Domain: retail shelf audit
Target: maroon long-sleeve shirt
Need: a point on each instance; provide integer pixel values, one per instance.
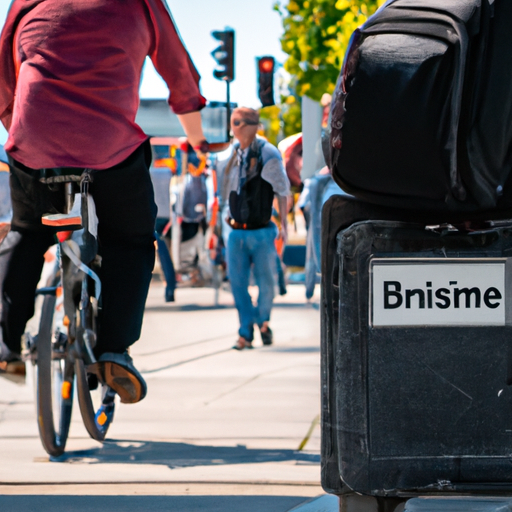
(70, 73)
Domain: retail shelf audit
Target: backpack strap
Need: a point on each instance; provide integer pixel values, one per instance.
(225, 177)
(255, 151)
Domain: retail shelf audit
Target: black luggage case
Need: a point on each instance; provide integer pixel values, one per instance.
(409, 410)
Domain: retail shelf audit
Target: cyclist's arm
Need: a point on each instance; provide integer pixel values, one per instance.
(191, 123)
(172, 61)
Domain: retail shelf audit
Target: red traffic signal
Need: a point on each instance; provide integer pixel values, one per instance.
(266, 67)
(266, 64)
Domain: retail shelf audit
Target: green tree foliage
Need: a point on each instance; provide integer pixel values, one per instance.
(292, 116)
(269, 117)
(316, 35)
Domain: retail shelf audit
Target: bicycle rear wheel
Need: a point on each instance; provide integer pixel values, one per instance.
(98, 414)
(54, 381)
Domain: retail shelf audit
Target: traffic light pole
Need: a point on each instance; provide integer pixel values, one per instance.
(228, 111)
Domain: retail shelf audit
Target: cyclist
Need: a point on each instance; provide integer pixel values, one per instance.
(69, 79)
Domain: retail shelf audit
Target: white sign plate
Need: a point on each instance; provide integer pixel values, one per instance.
(441, 292)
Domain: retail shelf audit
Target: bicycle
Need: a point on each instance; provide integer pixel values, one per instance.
(62, 350)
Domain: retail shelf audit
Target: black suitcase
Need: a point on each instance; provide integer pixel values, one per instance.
(407, 409)
(422, 112)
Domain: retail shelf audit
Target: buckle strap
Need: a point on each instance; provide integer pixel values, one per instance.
(240, 225)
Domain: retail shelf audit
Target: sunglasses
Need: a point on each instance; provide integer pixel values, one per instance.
(238, 122)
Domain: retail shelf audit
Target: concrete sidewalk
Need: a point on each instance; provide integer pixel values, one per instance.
(219, 429)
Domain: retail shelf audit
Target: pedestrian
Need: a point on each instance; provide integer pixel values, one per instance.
(191, 209)
(161, 179)
(251, 180)
(69, 80)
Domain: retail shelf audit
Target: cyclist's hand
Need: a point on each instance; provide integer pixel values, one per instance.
(217, 147)
(206, 147)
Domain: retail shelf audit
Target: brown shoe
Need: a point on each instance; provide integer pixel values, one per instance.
(10, 362)
(13, 368)
(242, 343)
(117, 372)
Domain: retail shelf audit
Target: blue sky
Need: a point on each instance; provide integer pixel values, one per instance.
(257, 29)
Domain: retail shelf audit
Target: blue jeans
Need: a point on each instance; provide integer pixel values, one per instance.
(254, 248)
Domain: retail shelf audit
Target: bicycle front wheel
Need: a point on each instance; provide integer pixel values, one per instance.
(55, 375)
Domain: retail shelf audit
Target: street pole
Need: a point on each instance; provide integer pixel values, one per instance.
(228, 112)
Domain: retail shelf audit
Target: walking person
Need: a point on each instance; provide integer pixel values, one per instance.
(69, 80)
(161, 179)
(252, 180)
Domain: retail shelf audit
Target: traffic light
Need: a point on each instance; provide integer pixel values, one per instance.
(266, 80)
(225, 55)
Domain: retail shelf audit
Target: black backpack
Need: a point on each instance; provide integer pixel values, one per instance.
(252, 204)
(422, 113)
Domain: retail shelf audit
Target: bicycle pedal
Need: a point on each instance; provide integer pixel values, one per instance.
(104, 417)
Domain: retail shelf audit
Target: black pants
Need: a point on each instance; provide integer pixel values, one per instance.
(164, 255)
(126, 211)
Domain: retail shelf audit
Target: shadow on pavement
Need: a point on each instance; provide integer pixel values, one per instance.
(213, 307)
(149, 503)
(297, 350)
(187, 308)
(182, 455)
(292, 305)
